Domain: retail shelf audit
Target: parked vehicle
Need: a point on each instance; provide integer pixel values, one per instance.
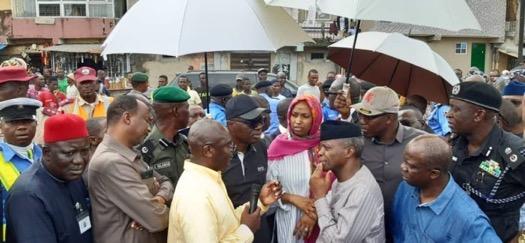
(228, 77)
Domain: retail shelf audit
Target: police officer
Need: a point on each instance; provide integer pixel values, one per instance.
(17, 151)
(165, 148)
(487, 162)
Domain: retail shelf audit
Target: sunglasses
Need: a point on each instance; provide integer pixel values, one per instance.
(254, 123)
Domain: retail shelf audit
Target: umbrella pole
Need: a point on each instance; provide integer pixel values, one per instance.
(207, 82)
(349, 69)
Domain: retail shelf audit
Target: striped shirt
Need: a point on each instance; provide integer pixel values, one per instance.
(352, 211)
(293, 172)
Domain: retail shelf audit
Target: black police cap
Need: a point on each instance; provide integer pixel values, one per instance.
(221, 90)
(339, 129)
(478, 93)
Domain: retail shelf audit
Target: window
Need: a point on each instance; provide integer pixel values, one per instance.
(461, 48)
(317, 56)
(64, 8)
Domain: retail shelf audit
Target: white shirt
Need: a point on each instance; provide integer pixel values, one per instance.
(71, 92)
(308, 89)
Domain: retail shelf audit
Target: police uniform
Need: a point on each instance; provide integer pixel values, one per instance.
(139, 77)
(14, 159)
(494, 176)
(166, 155)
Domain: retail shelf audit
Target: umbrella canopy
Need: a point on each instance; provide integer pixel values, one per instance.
(179, 27)
(451, 15)
(408, 66)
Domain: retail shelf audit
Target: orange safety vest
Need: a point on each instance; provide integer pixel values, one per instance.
(99, 111)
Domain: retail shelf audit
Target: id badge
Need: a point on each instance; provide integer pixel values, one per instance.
(84, 223)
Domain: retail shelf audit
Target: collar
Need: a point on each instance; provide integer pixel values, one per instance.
(128, 153)
(438, 205)
(9, 153)
(214, 175)
(82, 102)
(217, 105)
(46, 171)
(489, 140)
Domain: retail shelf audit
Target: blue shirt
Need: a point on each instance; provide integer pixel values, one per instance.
(21, 164)
(452, 217)
(274, 119)
(218, 113)
(437, 121)
(44, 209)
(329, 114)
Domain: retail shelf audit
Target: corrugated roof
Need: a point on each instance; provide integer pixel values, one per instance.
(490, 15)
(76, 48)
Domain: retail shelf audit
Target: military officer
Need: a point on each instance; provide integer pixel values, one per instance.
(165, 148)
(487, 162)
(17, 151)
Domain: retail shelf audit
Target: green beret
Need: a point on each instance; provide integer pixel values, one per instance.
(139, 77)
(170, 94)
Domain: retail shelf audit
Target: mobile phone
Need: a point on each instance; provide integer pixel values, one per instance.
(346, 89)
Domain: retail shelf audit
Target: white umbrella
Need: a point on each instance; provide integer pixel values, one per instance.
(451, 15)
(407, 65)
(445, 14)
(180, 27)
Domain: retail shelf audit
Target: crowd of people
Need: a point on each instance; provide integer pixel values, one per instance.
(260, 163)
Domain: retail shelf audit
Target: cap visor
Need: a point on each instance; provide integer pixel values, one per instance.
(359, 107)
(86, 78)
(252, 114)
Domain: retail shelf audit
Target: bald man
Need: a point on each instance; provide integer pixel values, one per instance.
(201, 210)
(429, 206)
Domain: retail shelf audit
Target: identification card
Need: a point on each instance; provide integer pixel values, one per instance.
(491, 167)
(84, 223)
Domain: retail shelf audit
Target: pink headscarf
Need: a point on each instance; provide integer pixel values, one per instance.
(290, 144)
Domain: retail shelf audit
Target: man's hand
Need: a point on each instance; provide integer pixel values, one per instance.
(304, 227)
(136, 226)
(342, 104)
(319, 183)
(253, 221)
(305, 204)
(270, 192)
(159, 199)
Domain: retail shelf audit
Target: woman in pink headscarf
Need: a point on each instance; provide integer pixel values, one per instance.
(292, 159)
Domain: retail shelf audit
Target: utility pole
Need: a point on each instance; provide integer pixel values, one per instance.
(520, 32)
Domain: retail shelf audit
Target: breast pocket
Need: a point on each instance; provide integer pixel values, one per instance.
(486, 175)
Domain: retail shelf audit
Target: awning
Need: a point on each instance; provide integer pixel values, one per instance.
(76, 48)
(509, 49)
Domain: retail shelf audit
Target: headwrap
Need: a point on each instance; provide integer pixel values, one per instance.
(290, 144)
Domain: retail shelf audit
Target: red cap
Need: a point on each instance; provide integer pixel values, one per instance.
(14, 73)
(85, 74)
(64, 127)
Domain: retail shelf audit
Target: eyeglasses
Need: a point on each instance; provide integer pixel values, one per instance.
(365, 117)
(254, 123)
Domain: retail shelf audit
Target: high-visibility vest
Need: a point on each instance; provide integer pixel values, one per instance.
(99, 110)
(8, 175)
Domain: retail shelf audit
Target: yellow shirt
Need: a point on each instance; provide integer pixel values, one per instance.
(236, 92)
(201, 210)
(195, 99)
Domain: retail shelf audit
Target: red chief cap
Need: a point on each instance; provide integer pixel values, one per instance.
(64, 127)
(85, 74)
(14, 73)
